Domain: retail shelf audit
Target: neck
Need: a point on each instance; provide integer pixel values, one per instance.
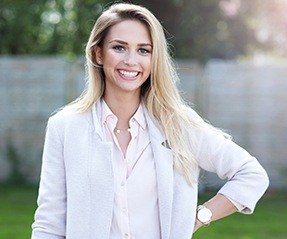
(124, 107)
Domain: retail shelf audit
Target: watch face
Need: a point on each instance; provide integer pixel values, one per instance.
(204, 215)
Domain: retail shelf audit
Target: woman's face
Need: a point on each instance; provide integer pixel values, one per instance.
(125, 57)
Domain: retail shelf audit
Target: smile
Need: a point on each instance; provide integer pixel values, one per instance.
(129, 74)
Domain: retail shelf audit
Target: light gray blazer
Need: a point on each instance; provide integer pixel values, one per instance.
(76, 191)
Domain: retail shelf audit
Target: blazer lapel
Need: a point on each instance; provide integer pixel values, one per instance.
(101, 181)
(164, 170)
(101, 187)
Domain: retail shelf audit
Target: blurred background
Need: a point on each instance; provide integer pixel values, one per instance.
(231, 59)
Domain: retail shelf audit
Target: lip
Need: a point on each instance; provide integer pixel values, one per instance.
(128, 74)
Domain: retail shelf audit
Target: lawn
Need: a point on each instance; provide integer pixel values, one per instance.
(269, 221)
(17, 206)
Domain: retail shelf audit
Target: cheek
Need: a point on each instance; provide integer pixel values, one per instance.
(110, 58)
(149, 69)
(147, 64)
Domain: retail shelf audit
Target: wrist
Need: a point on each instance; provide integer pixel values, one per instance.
(197, 225)
(204, 215)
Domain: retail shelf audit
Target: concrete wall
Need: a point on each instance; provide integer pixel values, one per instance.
(31, 88)
(246, 99)
(251, 102)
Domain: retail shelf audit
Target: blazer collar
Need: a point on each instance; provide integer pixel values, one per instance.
(96, 111)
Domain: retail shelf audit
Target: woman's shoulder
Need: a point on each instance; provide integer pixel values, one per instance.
(202, 128)
(67, 116)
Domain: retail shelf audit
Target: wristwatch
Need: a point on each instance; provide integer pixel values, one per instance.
(204, 215)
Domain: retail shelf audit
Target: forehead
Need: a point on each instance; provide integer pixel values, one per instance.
(130, 31)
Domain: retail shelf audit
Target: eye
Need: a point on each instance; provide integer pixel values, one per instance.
(119, 48)
(144, 51)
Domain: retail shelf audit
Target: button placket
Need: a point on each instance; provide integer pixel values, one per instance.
(126, 228)
(130, 159)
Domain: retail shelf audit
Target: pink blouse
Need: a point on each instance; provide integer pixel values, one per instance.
(136, 211)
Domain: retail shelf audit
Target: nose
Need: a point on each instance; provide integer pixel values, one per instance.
(130, 59)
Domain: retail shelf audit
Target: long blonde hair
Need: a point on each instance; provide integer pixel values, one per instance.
(160, 93)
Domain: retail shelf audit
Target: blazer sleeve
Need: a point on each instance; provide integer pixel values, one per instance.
(50, 216)
(246, 179)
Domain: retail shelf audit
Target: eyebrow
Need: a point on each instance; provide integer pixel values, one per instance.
(125, 43)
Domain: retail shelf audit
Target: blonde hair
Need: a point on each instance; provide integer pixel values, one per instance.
(160, 94)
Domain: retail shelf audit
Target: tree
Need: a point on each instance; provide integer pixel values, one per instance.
(208, 29)
(46, 26)
(197, 29)
(19, 26)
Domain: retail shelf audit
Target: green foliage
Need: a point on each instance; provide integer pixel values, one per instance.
(197, 29)
(19, 26)
(201, 30)
(46, 26)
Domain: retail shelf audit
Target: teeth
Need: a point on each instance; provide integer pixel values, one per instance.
(129, 73)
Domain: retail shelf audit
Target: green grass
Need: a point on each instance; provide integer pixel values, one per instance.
(269, 221)
(17, 206)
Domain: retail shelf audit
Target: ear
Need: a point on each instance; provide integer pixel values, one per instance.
(98, 54)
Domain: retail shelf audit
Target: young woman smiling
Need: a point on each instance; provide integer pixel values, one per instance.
(122, 161)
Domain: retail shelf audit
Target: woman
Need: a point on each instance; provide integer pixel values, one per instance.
(122, 161)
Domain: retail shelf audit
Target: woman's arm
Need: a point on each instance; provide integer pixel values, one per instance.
(50, 216)
(246, 180)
